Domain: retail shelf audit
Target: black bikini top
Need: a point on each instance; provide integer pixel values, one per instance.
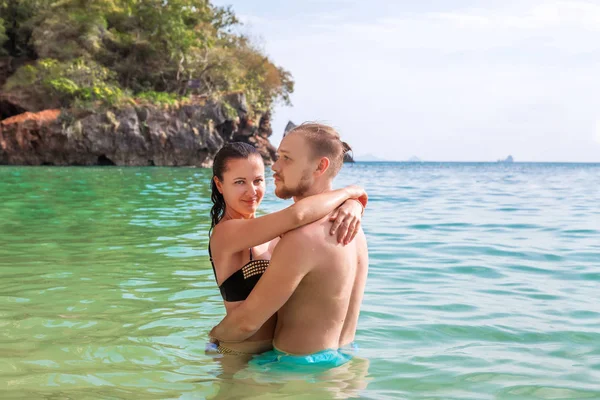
(239, 285)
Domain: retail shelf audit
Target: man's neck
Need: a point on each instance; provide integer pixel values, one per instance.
(316, 188)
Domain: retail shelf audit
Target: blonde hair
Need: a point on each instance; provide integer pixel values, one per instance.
(324, 141)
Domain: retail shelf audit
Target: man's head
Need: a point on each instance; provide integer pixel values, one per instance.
(309, 155)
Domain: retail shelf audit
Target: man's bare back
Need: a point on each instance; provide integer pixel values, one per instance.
(314, 284)
(323, 311)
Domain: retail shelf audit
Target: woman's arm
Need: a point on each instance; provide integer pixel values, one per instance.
(237, 234)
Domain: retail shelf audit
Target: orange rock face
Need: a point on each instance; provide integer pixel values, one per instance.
(39, 117)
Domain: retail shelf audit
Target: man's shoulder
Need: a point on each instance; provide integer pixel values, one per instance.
(361, 237)
(299, 234)
(314, 229)
(298, 249)
(309, 234)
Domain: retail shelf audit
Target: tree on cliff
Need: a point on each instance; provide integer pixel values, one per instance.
(78, 52)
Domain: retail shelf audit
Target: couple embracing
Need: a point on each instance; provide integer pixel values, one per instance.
(292, 281)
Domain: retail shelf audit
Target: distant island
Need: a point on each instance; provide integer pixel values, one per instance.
(507, 160)
(414, 159)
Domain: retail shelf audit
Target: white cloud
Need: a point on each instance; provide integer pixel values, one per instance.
(569, 26)
(557, 14)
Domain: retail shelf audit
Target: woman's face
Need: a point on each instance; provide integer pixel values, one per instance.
(243, 186)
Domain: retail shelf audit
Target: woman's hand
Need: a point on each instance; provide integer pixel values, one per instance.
(346, 220)
(358, 193)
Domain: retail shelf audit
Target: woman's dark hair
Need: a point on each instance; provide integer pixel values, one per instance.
(231, 151)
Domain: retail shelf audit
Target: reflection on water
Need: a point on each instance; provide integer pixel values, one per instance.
(483, 284)
(238, 380)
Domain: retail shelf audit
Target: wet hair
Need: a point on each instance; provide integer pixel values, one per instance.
(231, 151)
(324, 141)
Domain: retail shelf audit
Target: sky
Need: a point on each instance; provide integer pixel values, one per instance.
(442, 80)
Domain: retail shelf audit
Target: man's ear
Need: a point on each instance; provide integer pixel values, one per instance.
(219, 184)
(323, 166)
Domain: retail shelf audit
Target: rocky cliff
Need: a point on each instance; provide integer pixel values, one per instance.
(188, 134)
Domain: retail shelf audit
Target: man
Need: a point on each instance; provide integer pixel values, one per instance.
(314, 284)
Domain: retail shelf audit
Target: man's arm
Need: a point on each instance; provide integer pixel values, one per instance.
(289, 264)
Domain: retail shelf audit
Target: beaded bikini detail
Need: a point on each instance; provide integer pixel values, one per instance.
(239, 285)
(256, 267)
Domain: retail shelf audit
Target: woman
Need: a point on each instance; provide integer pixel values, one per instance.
(240, 245)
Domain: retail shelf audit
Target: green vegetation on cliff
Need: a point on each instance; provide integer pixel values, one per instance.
(64, 53)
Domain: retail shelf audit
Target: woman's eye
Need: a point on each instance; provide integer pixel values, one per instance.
(239, 182)
(258, 181)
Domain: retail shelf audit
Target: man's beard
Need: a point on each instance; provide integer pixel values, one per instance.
(284, 192)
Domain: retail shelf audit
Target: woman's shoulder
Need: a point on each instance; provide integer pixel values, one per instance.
(218, 230)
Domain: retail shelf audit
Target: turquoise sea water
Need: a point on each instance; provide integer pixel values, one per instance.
(484, 283)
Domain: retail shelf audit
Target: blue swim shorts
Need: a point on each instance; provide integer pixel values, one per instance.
(282, 360)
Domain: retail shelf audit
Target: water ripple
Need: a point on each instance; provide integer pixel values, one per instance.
(483, 284)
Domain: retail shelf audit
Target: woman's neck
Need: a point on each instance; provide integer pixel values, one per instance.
(232, 214)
